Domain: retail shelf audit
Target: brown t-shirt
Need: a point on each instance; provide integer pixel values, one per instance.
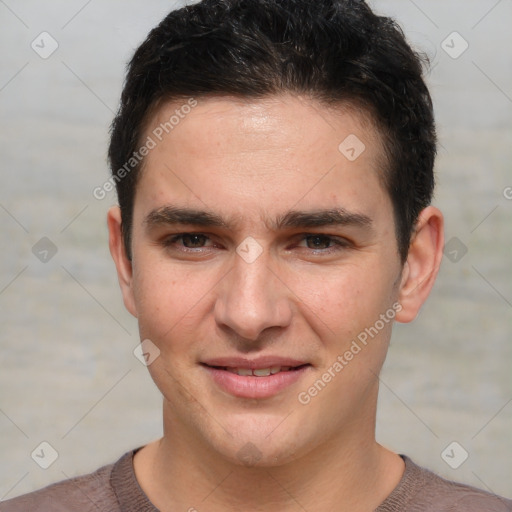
(114, 488)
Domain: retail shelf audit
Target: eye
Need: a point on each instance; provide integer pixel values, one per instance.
(187, 241)
(323, 243)
(193, 240)
(318, 241)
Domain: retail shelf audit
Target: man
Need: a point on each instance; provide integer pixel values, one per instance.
(274, 169)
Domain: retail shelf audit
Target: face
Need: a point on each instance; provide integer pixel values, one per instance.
(265, 270)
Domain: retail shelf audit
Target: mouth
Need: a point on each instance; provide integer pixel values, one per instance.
(257, 379)
(258, 372)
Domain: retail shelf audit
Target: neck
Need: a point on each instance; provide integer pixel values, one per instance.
(351, 472)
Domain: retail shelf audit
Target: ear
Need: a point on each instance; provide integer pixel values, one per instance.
(123, 264)
(422, 265)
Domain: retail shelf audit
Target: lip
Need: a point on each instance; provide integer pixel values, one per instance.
(250, 386)
(260, 362)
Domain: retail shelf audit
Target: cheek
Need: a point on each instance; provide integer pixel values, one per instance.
(170, 299)
(346, 300)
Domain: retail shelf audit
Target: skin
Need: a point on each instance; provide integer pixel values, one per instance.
(251, 162)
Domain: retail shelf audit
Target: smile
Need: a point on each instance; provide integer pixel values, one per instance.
(258, 382)
(258, 372)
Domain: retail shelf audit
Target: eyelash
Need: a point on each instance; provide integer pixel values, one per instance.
(337, 243)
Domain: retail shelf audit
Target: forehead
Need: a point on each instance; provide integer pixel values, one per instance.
(261, 155)
(259, 124)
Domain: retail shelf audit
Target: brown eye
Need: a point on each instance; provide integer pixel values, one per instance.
(320, 244)
(191, 244)
(193, 240)
(318, 241)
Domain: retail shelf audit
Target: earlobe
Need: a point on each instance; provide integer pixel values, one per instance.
(422, 265)
(123, 264)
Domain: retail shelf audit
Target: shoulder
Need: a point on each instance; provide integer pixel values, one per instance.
(87, 493)
(422, 490)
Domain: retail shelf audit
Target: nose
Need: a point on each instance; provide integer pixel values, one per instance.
(252, 299)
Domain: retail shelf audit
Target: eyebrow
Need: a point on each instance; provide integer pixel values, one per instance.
(292, 219)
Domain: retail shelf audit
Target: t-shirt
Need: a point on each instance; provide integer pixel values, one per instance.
(114, 488)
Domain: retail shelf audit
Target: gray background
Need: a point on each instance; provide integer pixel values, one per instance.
(68, 375)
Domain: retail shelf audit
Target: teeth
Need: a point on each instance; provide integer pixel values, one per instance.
(258, 372)
(263, 372)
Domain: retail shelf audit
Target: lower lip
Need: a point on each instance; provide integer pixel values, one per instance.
(254, 387)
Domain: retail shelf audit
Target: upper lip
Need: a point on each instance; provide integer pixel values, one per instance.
(260, 362)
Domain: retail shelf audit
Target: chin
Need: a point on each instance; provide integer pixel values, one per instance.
(259, 442)
(255, 454)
